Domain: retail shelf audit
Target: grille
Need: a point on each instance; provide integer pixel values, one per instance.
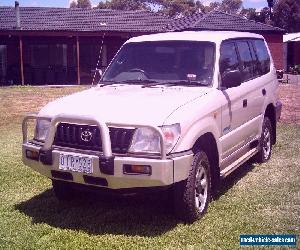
(69, 135)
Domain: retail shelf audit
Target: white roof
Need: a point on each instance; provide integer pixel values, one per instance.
(211, 36)
(293, 37)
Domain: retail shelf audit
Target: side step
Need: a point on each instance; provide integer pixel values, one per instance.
(233, 166)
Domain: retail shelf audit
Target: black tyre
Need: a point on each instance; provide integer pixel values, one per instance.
(265, 144)
(192, 196)
(62, 190)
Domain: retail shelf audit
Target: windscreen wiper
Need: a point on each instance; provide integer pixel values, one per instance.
(138, 81)
(186, 83)
(106, 83)
(132, 81)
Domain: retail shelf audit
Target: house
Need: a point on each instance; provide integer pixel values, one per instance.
(291, 50)
(217, 20)
(62, 45)
(65, 46)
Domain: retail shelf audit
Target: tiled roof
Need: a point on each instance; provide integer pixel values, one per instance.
(217, 20)
(75, 19)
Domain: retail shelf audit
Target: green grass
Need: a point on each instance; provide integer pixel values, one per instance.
(256, 199)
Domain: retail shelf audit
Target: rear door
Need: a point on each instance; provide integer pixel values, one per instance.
(253, 86)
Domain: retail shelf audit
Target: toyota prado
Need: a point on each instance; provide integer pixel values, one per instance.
(176, 111)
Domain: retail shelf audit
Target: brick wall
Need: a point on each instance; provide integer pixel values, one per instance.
(275, 43)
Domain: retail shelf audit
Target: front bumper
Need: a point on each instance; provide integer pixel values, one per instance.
(108, 170)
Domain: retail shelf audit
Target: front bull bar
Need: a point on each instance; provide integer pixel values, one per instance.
(107, 159)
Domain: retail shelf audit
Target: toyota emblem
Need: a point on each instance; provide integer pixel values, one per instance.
(86, 135)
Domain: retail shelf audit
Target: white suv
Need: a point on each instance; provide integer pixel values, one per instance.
(173, 110)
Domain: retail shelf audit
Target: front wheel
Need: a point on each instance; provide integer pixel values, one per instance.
(192, 196)
(265, 144)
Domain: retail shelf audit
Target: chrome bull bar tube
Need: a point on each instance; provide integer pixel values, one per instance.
(25, 124)
(87, 120)
(84, 120)
(163, 152)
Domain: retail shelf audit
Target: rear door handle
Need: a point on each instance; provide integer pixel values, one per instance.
(245, 103)
(264, 92)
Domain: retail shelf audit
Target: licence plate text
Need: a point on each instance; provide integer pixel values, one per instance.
(81, 164)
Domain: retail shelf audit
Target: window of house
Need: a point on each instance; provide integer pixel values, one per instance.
(104, 56)
(44, 55)
(39, 55)
(3, 63)
(58, 54)
(89, 55)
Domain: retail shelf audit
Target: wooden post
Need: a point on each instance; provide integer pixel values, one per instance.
(21, 60)
(78, 62)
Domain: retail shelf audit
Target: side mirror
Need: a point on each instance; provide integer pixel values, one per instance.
(231, 79)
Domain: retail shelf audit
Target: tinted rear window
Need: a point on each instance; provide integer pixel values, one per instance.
(229, 60)
(247, 62)
(263, 56)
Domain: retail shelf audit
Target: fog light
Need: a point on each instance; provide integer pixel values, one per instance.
(137, 169)
(33, 155)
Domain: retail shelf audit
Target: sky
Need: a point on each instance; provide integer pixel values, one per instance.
(258, 4)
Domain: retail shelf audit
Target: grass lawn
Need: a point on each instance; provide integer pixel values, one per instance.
(256, 199)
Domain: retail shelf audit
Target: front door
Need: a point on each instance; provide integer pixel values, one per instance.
(241, 114)
(234, 111)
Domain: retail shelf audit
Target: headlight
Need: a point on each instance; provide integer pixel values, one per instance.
(147, 140)
(41, 129)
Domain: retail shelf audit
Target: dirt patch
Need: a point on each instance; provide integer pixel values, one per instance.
(290, 98)
(18, 101)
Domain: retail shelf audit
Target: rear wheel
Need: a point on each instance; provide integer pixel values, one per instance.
(265, 145)
(62, 190)
(192, 196)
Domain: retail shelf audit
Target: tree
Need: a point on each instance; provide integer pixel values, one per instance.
(124, 5)
(286, 15)
(168, 7)
(231, 6)
(177, 8)
(262, 16)
(227, 6)
(213, 6)
(73, 4)
(250, 13)
(81, 4)
(174, 8)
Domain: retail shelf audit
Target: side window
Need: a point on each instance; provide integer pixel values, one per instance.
(247, 64)
(229, 59)
(263, 56)
(257, 70)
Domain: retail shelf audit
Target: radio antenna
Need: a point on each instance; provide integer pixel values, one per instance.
(99, 58)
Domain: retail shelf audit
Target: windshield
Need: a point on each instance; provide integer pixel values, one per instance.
(162, 62)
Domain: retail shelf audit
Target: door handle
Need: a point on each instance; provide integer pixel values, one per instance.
(245, 103)
(264, 92)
